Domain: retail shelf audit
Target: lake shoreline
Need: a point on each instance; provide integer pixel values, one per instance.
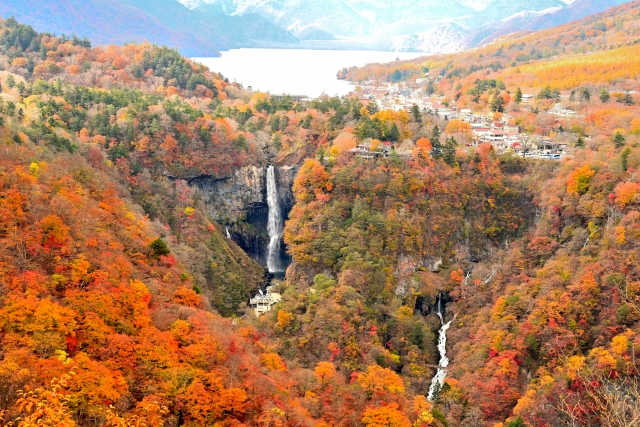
(308, 72)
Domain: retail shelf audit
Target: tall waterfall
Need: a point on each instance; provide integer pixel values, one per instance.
(274, 223)
(441, 373)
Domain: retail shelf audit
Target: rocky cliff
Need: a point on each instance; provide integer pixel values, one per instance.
(239, 202)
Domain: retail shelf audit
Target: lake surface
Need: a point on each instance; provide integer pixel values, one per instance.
(295, 71)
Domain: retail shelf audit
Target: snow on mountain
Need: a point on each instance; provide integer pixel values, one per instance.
(399, 24)
(442, 39)
(530, 15)
(476, 4)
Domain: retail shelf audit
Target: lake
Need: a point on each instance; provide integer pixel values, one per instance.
(295, 71)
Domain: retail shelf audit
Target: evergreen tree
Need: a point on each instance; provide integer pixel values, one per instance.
(627, 100)
(518, 96)
(11, 82)
(435, 133)
(159, 248)
(449, 152)
(585, 95)
(580, 142)
(624, 158)
(497, 105)
(417, 115)
(436, 149)
(618, 140)
(394, 133)
(604, 96)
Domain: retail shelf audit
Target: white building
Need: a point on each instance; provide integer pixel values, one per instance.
(264, 302)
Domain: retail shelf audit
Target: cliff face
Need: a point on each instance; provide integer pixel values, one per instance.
(239, 202)
(228, 199)
(233, 198)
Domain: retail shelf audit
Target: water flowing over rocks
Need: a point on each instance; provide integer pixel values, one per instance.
(240, 202)
(441, 373)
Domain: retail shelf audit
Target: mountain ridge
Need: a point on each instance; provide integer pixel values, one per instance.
(407, 24)
(164, 22)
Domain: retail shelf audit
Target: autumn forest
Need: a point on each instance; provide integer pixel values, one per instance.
(126, 276)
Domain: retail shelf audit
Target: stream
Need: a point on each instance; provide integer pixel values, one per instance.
(441, 373)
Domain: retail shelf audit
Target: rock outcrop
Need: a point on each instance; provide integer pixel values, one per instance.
(239, 201)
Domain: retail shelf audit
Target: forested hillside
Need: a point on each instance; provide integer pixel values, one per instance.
(123, 303)
(113, 280)
(538, 258)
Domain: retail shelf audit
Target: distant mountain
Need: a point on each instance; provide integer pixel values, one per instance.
(578, 10)
(423, 25)
(202, 32)
(103, 22)
(540, 20)
(205, 27)
(213, 25)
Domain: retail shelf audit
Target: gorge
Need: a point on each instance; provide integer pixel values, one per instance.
(143, 199)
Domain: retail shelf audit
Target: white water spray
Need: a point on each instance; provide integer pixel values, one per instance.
(274, 223)
(227, 230)
(441, 373)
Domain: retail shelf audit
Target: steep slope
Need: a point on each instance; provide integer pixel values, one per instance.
(112, 268)
(111, 272)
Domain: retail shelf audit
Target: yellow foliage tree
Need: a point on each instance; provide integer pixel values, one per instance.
(578, 181)
(380, 380)
(385, 416)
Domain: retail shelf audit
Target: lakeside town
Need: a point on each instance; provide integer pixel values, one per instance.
(496, 128)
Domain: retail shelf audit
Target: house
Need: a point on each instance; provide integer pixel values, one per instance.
(264, 302)
(480, 132)
(526, 97)
(560, 111)
(495, 135)
(364, 150)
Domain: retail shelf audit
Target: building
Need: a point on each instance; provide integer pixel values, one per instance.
(294, 98)
(264, 302)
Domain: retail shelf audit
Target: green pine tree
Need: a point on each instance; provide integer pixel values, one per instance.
(449, 152)
(417, 115)
(394, 133)
(518, 96)
(618, 140)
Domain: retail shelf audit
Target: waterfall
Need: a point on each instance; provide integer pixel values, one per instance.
(274, 222)
(441, 373)
(227, 230)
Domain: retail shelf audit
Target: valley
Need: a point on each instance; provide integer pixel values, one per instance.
(178, 248)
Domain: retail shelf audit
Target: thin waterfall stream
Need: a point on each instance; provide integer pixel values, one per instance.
(441, 373)
(274, 223)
